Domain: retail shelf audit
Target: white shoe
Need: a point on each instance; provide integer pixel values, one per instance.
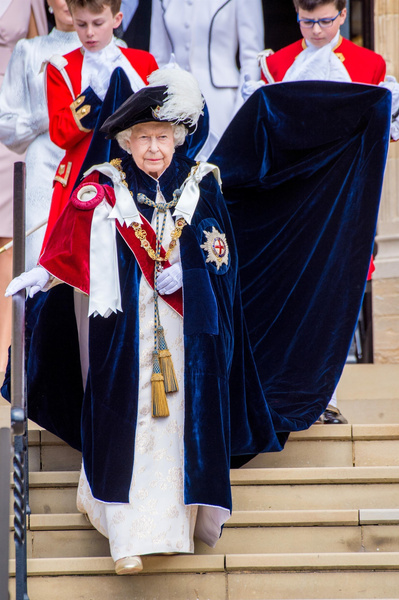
(128, 565)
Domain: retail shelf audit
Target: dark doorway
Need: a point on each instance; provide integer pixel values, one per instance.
(281, 27)
(362, 22)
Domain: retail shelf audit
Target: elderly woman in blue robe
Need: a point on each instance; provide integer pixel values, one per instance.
(146, 244)
(176, 371)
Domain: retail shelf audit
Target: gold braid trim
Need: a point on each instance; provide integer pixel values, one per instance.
(79, 112)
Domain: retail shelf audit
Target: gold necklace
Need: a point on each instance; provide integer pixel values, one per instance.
(141, 234)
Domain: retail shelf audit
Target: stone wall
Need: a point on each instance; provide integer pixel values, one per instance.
(386, 276)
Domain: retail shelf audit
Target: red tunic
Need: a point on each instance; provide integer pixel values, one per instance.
(363, 65)
(71, 124)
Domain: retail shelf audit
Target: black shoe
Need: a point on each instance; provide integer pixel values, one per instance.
(332, 416)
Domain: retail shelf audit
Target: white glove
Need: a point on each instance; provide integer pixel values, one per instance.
(392, 85)
(395, 130)
(36, 279)
(250, 86)
(170, 280)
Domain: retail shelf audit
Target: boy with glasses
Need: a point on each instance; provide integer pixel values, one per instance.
(322, 53)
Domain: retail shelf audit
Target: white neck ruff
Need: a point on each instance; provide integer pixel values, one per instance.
(318, 64)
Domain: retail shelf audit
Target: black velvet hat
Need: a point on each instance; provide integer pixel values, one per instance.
(139, 108)
(173, 95)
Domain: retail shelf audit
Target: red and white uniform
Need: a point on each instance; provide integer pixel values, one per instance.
(362, 65)
(72, 119)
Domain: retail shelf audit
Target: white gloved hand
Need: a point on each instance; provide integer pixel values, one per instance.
(395, 130)
(170, 280)
(36, 279)
(250, 86)
(391, 84)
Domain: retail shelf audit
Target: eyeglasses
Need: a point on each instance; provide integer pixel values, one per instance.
(323, 23)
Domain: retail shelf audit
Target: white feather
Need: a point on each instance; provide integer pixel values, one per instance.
(184, 101)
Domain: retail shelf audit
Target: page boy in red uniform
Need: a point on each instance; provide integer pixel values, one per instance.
(320, 22)
(77, 84)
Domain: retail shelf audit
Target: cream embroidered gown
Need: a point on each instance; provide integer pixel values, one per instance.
(156, 519)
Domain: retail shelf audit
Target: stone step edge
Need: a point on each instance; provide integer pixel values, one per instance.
(243, 519)
(314, 475)
(105, 565)
(321, 433)
(255, 476)
(354, 432)
(350, 561)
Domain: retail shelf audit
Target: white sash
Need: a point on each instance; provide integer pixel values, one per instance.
(190, 190)
(104, 293)
(125, 209)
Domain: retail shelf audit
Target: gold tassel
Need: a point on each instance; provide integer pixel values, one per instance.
(166, 364)
(159, 403)
(168, 371)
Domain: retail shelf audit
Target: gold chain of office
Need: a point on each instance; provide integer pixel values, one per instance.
(141, 234)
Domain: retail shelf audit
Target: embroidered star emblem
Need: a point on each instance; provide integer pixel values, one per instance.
(216, 248)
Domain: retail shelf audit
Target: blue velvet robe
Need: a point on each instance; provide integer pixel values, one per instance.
(104, 416)
(302, 166)
(266, 337)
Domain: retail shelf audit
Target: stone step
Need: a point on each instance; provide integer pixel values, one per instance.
(319, 446)
(243, 476)
(318, 520)
(315, 488)
(257, 489)
(235, 540)
(336, 445)
(244, 518)
(324, 475)
(368, 393)
(220, 577)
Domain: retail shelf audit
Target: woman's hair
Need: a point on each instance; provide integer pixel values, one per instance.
(310, 5)
(95, 6)
(179, 135)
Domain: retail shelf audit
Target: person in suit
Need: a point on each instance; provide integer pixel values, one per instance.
(205, 37)
(136, 22)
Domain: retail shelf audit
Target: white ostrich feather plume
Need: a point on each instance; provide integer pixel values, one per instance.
(184, 101)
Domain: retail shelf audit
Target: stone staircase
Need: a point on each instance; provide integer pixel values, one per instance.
(318, 520)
